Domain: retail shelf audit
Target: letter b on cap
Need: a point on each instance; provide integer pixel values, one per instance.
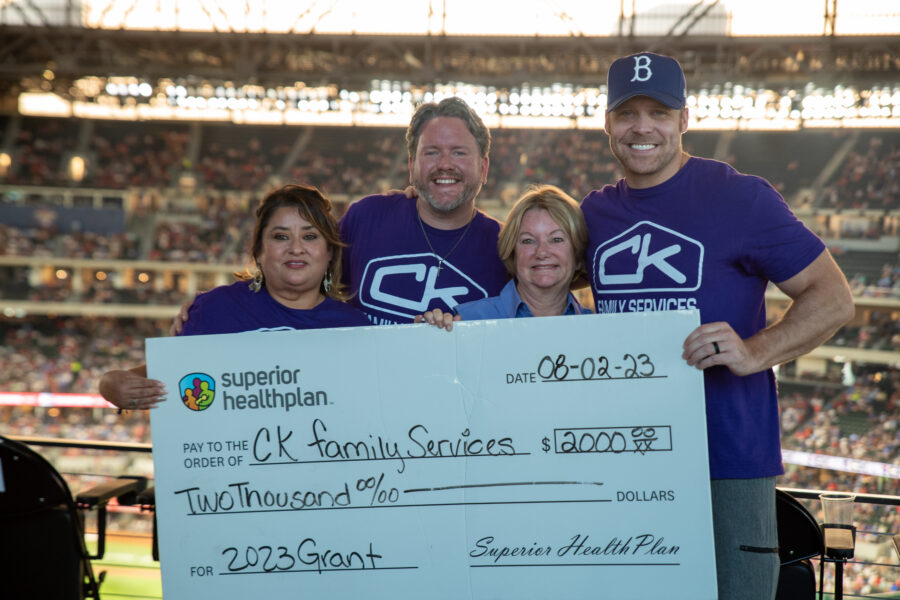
(642, 70)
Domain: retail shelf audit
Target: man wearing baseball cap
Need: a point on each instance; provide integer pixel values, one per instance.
(682, 232)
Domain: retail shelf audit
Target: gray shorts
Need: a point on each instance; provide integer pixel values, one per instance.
(746, 538)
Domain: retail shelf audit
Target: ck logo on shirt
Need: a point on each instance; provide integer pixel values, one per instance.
(648, 258)
(407, 285)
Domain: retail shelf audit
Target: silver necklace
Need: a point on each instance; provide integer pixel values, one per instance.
(441, 260)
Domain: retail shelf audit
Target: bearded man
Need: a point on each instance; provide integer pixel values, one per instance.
(407, 255)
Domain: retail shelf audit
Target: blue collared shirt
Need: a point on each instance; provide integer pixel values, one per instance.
(509, 305)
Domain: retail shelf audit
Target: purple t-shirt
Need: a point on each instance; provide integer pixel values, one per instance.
(394, 274)
(709, 238)
(234, 309)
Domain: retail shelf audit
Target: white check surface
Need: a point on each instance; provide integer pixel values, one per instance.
(512, 459)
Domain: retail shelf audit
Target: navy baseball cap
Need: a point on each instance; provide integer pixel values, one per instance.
(646, 74)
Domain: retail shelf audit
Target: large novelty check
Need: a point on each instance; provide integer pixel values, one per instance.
(546, 458)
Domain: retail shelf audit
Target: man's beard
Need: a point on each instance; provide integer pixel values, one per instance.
(466, 195)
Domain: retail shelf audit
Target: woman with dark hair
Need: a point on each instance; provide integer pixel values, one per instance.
(296, 251)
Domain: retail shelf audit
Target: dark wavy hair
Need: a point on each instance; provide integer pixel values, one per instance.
(313, 206)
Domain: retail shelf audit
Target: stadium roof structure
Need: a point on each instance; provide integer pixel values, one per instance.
(34, 43)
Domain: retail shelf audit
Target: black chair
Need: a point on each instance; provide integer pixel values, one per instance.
(43, 553)
(799, 540)
(146, 500)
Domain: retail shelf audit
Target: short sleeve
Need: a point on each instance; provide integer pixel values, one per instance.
(777, 245)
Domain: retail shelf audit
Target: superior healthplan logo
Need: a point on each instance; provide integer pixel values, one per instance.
(198, 390)
(407, 285)
(648, 258)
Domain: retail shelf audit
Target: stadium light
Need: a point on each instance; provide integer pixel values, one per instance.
(386, 102)
(77, 168)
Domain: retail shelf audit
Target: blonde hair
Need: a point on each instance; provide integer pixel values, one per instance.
(562, 208)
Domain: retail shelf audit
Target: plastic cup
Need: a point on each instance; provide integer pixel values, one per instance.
(838, 509)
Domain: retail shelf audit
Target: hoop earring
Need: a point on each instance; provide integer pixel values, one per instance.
(257, 281)
(326, 283)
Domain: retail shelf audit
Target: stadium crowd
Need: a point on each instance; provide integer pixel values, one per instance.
(68, 354)
(869, 178)
(157, 156)
(218, 231)
(886, 284)
(145, 156)
(859, 421)
(880, 332)
(363, 160)
(48, 241)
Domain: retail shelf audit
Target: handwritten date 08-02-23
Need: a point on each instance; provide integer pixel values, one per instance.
(553, 369)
